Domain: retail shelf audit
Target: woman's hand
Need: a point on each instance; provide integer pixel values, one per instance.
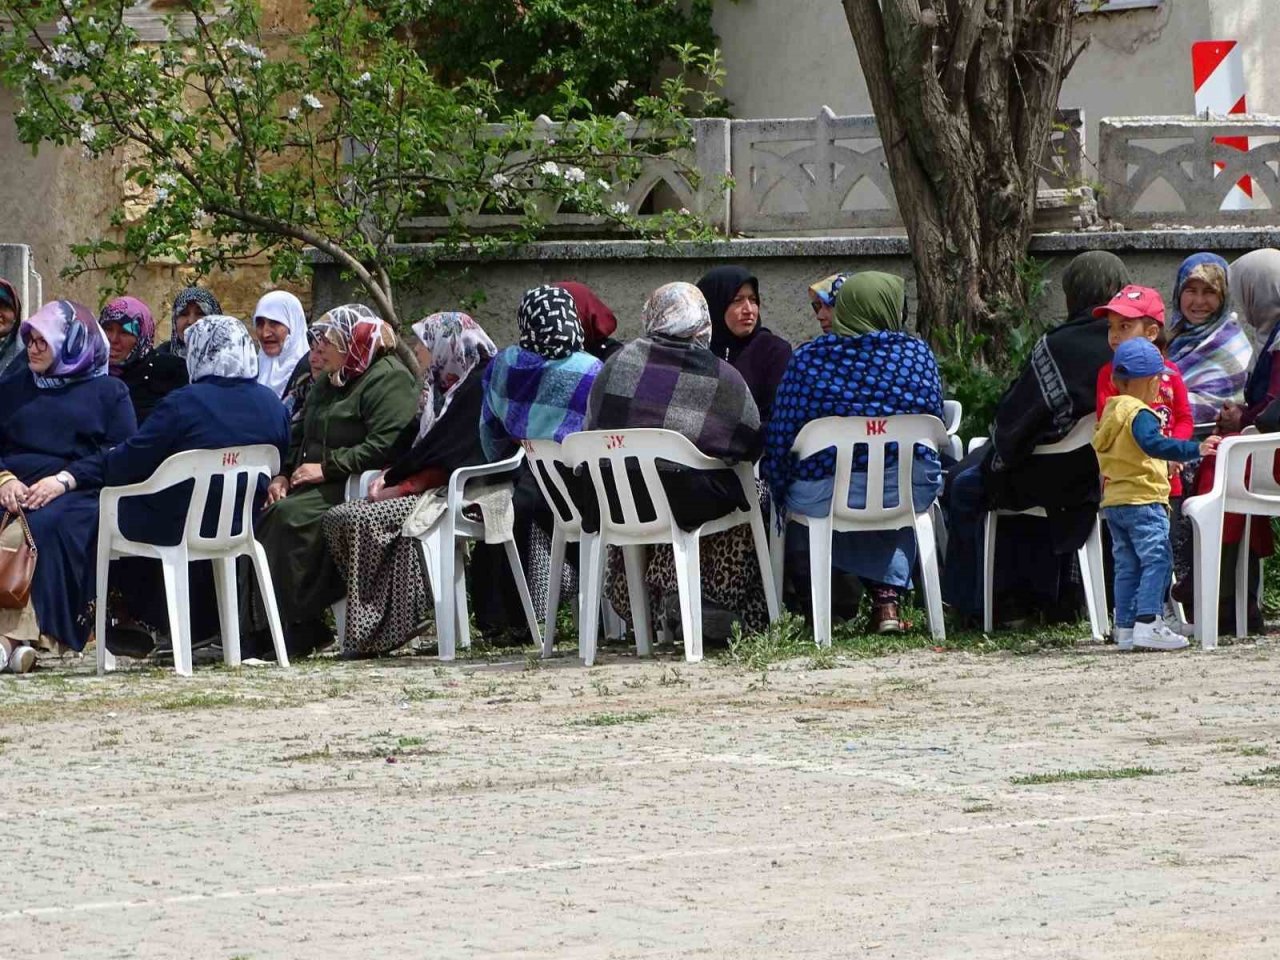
(1209, 446)
(13, 495)
(278, 489)
(377, 486)
(43, 492)
(307, 473)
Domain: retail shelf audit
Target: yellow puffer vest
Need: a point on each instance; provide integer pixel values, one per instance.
(1131, 477)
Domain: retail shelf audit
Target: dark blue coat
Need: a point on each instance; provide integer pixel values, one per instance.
(211, 413)
(43, 431)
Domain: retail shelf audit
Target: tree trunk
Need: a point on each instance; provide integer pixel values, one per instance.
(964, 93)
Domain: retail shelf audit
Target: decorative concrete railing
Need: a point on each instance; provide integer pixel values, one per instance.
(1185, 170)
(827, 174)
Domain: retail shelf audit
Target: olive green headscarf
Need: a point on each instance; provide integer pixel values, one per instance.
(870, 302)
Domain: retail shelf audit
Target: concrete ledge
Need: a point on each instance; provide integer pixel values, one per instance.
(748, 248)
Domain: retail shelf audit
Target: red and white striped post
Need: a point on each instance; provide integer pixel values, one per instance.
(1218, 68)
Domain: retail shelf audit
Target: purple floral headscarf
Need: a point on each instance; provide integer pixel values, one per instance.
(80, 348)
(134, 318)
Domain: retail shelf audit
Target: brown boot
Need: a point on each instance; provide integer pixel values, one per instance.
(884, 618)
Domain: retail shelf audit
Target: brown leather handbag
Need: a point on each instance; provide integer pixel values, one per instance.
(17, 565)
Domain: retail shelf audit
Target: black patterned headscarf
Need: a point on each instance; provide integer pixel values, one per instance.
(548, 321)
(188, 295)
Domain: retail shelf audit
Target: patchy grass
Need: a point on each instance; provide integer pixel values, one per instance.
(611, 719)
(1266, 777)
(790, 638)
(1070, 776)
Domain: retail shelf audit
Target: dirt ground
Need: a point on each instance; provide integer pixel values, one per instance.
(512, 808)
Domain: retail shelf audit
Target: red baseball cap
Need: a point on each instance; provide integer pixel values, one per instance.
(1134, 301)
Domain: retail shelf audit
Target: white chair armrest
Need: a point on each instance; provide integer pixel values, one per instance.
(463, 475)
(977, 442)
(952, 413)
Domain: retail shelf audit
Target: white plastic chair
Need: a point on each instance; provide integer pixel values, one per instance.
(1259, 497)
(876, 433)
(357, 488)
(443, 557)
(1089, 555)
(646, 447)
(545, 459)
(223, 547)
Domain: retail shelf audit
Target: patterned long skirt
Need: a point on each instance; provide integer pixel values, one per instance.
(388, 593)
(730, 576)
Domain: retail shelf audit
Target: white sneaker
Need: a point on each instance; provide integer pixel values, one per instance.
(1177, 626)
(1123, 637)
(1157, 636)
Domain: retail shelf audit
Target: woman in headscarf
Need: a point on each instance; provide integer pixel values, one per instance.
(868, 366)
(359, 417)
(150, 376)
(12, 354)
(62, 408)
(224, 406)
(1057, 387)
(822, 298)
(284, 364)
(669, 379)
(737, 336)
(1205, 341)
(189, 305)
(1254, 280)
(598, 321)
(388, 594)
(538, 391)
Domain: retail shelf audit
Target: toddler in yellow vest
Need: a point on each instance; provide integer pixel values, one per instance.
(1132, 454)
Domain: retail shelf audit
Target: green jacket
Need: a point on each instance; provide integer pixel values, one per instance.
(363, 425)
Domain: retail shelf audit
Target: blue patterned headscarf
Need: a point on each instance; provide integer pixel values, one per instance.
(1213, 356)
(883, 373)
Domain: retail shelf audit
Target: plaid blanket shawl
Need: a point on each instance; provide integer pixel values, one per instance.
(671, 384)
(528, 397)
(1214, 364)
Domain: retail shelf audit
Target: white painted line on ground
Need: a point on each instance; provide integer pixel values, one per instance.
(576, 863)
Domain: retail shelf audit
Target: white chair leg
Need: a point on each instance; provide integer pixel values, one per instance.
(689, 580)
(262, 571)
(1242, 581)
(764, 558)
(820, 578)
(429, 544)
(522, 588)
(224, 582)
(462, 614)
(1208, 560)
(178, 601)
(634, 558)
(615, 628)
(590, 588)
(1097, 580)
(555, 570)
(927, 549)
(106, 661)
(777, 553)
(989, 572)
(339, 609)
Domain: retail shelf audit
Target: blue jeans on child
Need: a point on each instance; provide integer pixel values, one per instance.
(1144, 560)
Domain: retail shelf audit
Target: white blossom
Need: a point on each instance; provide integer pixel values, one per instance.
(312, 101)
(162, 194)
(64, 25)
(363, 78)
(604, 185)
(620, 208)
(236, 83)
(293, 113)
(75, 102)
(87, 132)
(248, 49)
(499, 180)
(618, 88)
(42, 67)
(574, 175)
(550, 169)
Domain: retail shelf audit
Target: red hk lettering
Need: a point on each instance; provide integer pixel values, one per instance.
(877, 427)
(231, 459)
(613, 441)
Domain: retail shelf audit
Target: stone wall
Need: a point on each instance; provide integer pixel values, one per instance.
(624, 272)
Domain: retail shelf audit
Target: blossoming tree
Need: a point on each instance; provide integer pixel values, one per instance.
(330, 138)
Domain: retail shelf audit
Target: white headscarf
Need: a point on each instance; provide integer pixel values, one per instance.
(282, 307)
(220, 346)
